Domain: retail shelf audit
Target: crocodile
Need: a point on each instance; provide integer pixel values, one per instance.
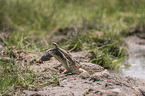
(70, 64)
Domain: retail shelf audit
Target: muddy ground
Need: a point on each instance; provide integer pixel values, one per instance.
(100, 84)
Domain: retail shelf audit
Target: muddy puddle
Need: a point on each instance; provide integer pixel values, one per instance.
(136, 59)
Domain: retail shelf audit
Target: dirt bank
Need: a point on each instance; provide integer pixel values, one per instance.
(100, 84)
(108, 85)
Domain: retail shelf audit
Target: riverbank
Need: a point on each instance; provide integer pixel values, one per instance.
(46, 78)
(49, 80)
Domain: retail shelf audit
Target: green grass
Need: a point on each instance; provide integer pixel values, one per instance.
(17, 76)
(95, 26)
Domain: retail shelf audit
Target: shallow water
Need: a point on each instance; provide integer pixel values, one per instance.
(136, 69)
(136, 60)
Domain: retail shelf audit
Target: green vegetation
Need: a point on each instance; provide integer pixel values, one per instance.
(16, 75)
(94, 26)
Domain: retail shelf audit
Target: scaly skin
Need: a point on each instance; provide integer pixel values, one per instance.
(68, 62)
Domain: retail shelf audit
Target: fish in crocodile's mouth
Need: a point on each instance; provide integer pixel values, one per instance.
(48, 54)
